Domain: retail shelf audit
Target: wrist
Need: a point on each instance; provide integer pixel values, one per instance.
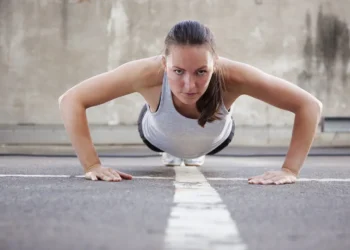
(292, 171)
(89, 168)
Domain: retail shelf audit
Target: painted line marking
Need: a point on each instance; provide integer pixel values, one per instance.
(199, 218)
(77, 176)
(299, 179)
(169, 178)
(36, 175)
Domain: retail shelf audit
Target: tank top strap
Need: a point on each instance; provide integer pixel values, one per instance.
(163, 97)
(166, 93)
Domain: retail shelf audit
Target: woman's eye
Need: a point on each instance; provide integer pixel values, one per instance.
(202, 72)
(178, 71)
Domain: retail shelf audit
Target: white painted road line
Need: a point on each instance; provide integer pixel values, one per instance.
(153, 177)
(167, 178)
(299, 179)
(77, 176)
(36, 175)
(199, 218)
(226, 179)
(142, 177)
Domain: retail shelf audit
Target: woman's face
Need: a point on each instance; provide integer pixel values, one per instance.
(189, 70)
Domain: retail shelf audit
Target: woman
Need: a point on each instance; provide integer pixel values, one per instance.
(188, 92)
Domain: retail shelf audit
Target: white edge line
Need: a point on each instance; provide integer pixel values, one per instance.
(298, 180)
(36, 175)
(77, 176)
(171, 178)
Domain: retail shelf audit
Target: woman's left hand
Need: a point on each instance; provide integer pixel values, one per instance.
(282, 176)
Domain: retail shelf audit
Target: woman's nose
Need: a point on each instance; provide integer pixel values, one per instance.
(189, 83)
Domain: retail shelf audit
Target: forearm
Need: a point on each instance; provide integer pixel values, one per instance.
(76, 125)
(304, 129)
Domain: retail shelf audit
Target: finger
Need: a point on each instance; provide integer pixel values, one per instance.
(124, 175)
(94, 177)
(255, 177)
(264, 179)
(104, 177)
(90, 176)
(265, 176)
(116, 176)
(294, 180)
(268, 179)
(110, 173)
(281, 181)
(261, 180)
(291, 180)
(278, 178)
(254, 181)
(266, 182)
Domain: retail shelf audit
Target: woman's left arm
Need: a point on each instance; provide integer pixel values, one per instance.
(248, 80)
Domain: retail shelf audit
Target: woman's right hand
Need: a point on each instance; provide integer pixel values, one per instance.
(106, 174)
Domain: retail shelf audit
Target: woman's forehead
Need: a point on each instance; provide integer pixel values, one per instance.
(190, 56)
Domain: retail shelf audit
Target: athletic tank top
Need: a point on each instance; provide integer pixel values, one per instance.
(180, 136)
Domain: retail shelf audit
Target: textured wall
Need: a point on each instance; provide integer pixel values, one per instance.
(47, 46)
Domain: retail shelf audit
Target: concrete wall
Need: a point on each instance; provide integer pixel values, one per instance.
(47, 46)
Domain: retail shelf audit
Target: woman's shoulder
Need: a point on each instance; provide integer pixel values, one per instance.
(151, 72)
(230, 71)
(237, 74)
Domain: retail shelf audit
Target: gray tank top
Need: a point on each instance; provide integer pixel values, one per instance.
(180, 136)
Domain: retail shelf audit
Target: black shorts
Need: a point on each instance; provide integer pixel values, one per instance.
(223, 145)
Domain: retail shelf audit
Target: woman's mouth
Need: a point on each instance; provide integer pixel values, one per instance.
(190, 94)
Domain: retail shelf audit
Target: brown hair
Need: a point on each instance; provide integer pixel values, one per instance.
(194, 33)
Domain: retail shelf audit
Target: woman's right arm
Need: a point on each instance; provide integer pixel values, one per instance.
(94, 91)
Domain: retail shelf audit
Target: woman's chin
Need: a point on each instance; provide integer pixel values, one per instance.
(189, 101)
(186, 99)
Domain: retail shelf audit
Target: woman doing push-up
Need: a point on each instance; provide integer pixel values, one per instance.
(188, 92)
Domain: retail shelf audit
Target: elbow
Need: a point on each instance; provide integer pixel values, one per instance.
(67, 103)
(320, 111)
(311, 108)
(60, 100)
(63, 100)
(317, 108)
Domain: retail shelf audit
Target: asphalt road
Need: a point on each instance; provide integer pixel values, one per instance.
(46, 204)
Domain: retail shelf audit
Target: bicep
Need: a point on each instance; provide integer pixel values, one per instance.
(106, 86)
